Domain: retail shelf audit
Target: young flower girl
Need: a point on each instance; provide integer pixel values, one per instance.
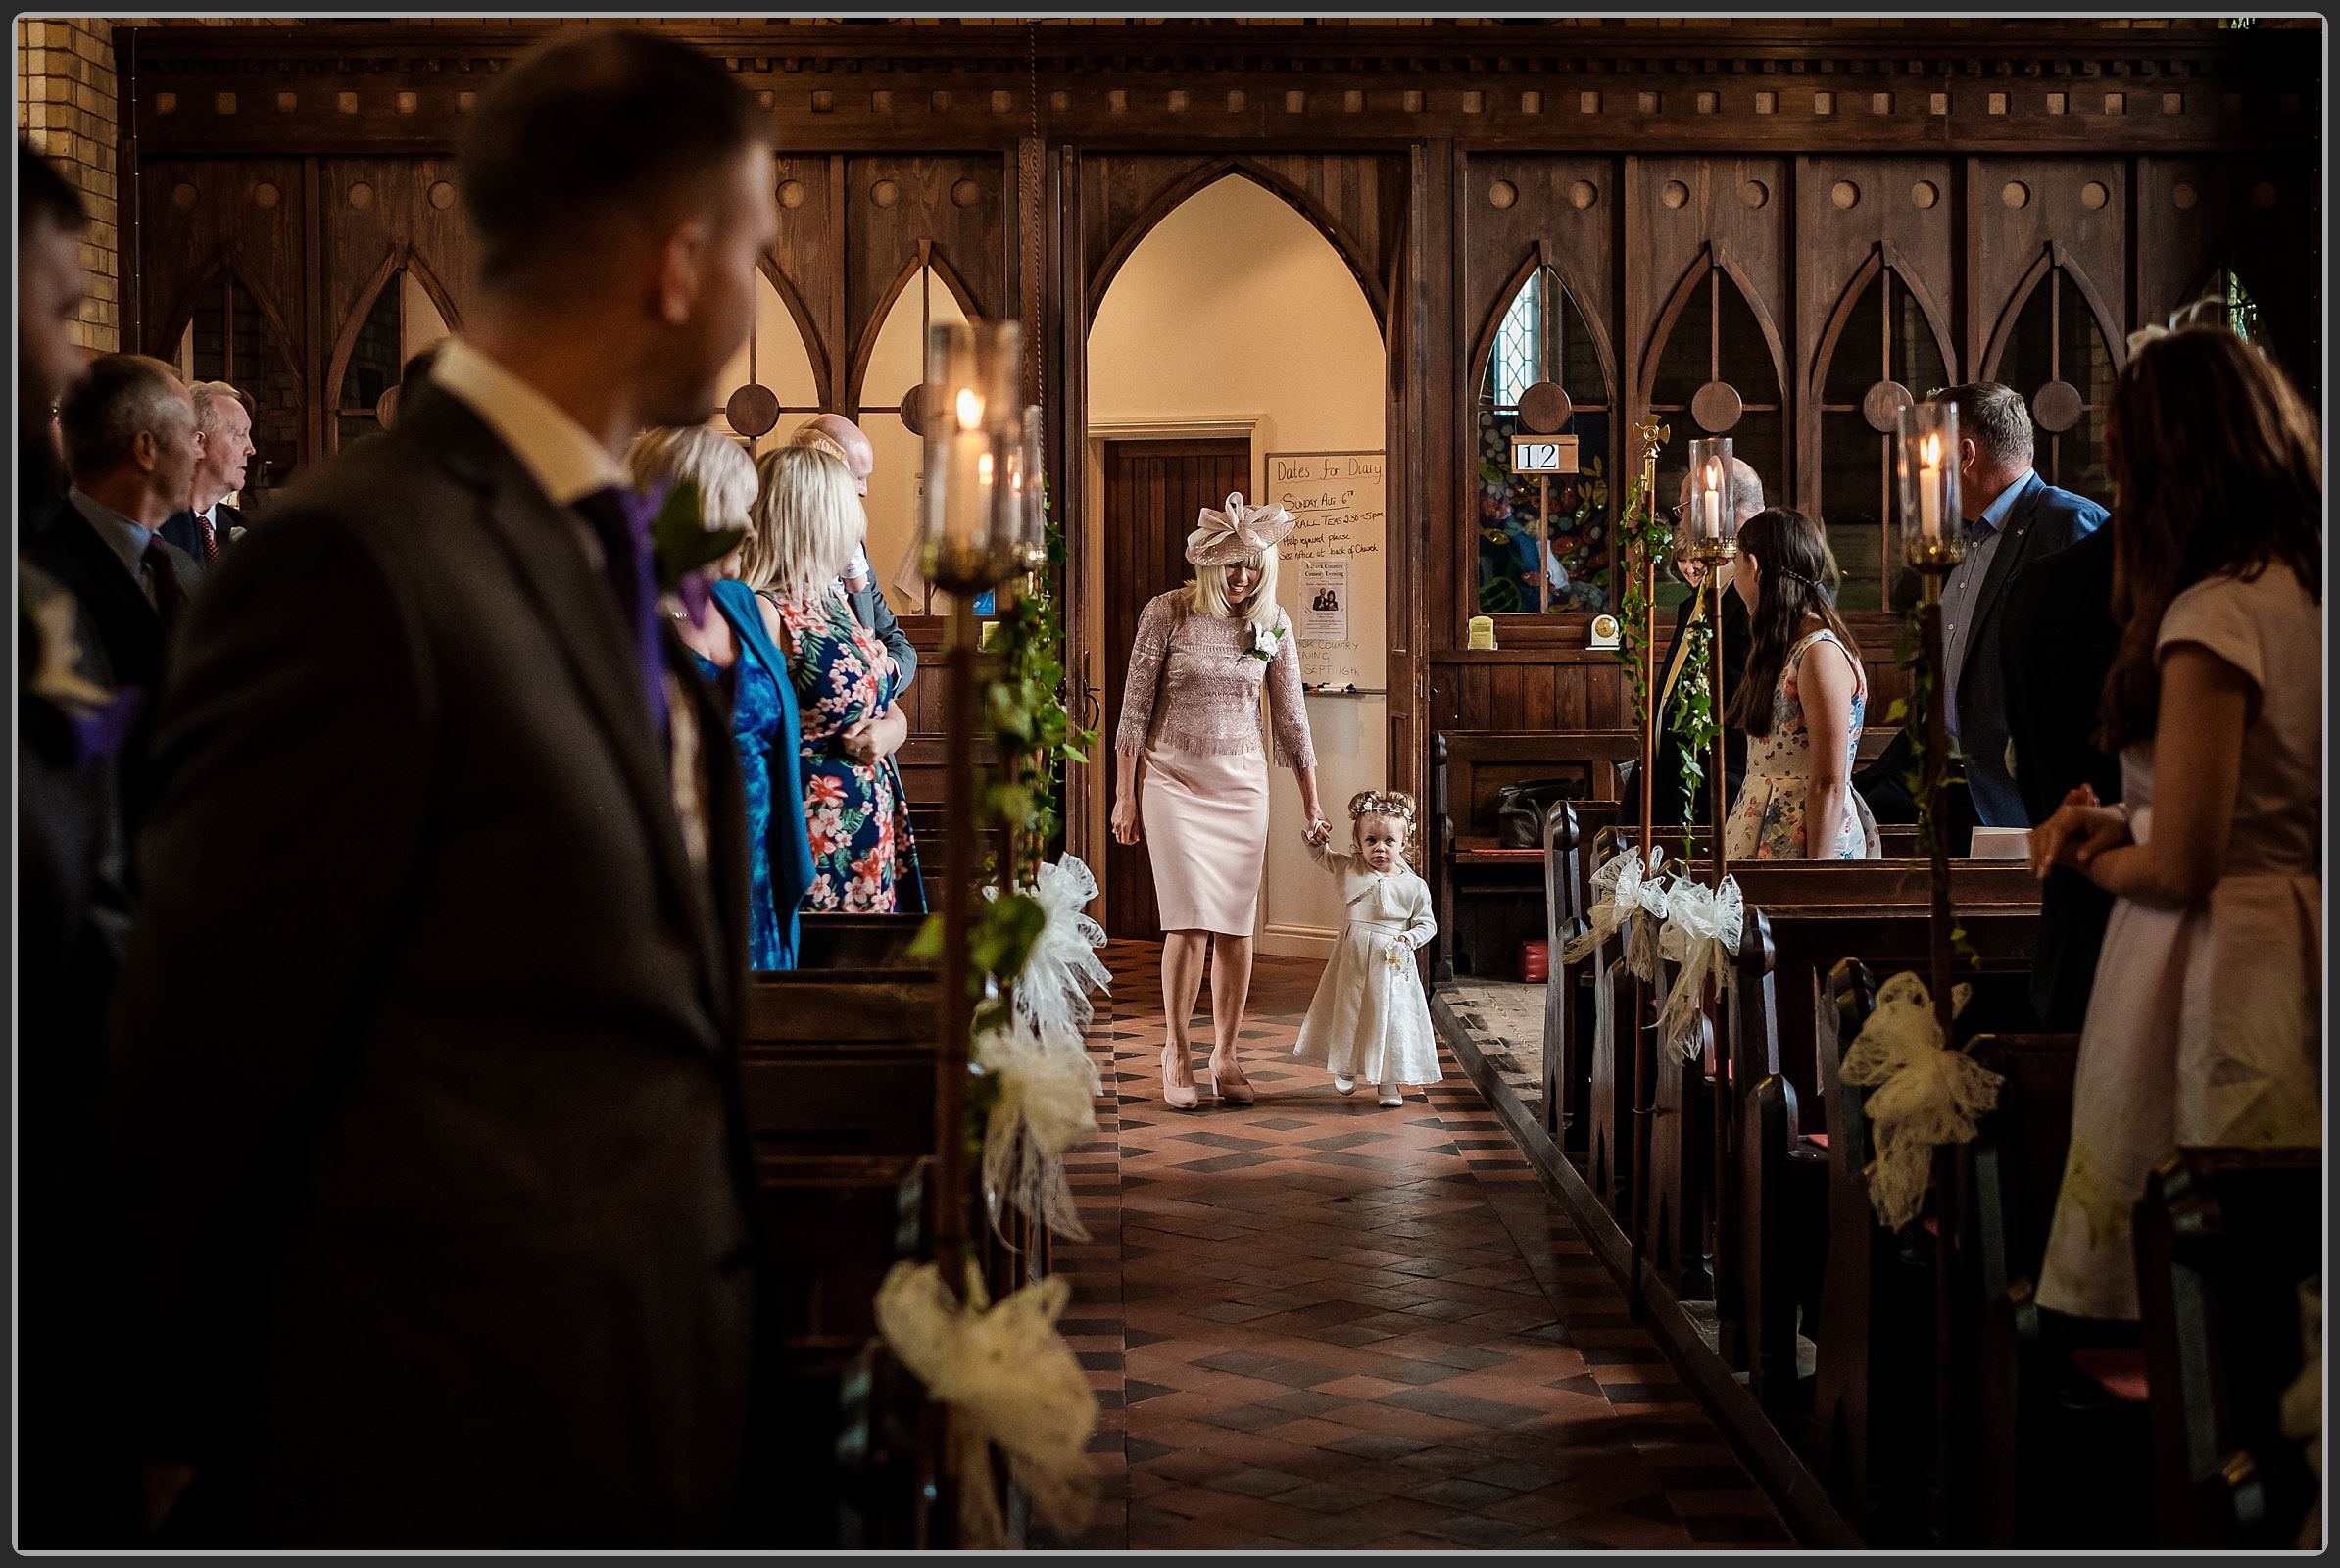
(1369, 1018)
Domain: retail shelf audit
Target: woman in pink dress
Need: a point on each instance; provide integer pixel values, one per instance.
(1189, 763)
(2204, 1023)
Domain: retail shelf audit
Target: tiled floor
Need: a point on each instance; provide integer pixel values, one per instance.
(1315, 1323)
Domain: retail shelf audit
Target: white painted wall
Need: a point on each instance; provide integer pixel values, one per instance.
(1234, 307)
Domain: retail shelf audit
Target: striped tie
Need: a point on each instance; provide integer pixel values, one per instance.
(211, 537)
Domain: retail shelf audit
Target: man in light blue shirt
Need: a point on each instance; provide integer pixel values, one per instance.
(2012, 516)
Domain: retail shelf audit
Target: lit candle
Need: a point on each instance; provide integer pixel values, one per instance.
(1711, 524)
(1929, 488)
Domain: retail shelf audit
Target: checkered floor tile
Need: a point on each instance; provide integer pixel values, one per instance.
(1314, 1323)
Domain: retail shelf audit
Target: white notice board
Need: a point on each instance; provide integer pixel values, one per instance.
(1334, 556)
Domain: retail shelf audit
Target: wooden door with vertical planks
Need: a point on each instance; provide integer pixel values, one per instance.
(1153, 490)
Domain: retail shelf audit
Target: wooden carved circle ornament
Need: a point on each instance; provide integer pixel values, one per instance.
(1716, 407)
(1881, 406)
(2056, 407)
(1546, 408)
(753, 411)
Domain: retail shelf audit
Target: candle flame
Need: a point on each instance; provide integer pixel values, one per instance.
(970, 408)
(983, 468)
(1933, 451)
(1713, 473)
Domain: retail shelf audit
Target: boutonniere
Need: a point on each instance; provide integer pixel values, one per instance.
(1264, 642)
(100, 720)
(684, 546)
(235, 531)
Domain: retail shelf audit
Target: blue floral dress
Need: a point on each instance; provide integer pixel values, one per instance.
(756, 713)
(1767, 821)
(865, 861)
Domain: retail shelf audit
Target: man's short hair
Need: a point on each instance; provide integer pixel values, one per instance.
(103, 413)
(585, 135)
(1997, 418)
(209, 397)
(44, 196)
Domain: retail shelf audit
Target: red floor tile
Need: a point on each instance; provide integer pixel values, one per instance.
(1330, 1326)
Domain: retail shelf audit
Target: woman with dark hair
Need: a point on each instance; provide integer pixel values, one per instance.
(1800, 701)
(2203, 1027)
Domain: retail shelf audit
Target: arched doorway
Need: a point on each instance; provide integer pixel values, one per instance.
(1234, 329)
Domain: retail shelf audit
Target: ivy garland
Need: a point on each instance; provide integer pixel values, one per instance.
(1691, 718)
(1637, 527)
(1909, 712)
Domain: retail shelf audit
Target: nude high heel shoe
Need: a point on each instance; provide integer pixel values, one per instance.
(1178, 1097)
(1234, 1091)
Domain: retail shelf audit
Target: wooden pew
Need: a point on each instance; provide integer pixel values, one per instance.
(1773, 1252)
(1488, 898)
(1568, 990)
(2224, 1239)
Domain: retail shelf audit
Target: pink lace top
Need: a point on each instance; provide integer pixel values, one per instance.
(1194, 685)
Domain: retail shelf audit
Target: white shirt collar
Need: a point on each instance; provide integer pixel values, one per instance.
(566, 463)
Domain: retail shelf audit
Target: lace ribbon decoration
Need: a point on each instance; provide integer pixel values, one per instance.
(1630, 897)
(2302, 1406)
(1047, 1102)
(1009, 1378)
(1701, 936)
(1051, 995)
(1923, 1094)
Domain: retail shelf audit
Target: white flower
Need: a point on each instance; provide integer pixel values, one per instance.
(1264, 640)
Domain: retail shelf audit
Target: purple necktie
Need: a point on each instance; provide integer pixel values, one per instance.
(620, 519)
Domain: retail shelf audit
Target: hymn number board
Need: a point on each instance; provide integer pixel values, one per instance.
(1543, 454)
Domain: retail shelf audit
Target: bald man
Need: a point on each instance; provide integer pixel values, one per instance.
(834, 432)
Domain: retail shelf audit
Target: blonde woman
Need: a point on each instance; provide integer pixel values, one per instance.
(807, 523)
(735, 654)
(1188, 760)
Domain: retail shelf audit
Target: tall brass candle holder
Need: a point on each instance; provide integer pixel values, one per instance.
(1932, 541)
(1649, 436)
(972, 540)
(1714, 545)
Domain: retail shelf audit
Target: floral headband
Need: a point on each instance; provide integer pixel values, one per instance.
(1377, 803)
(2208, 311)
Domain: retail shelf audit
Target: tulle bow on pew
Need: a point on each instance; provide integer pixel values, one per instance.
(1923, 1094)
(1046, 1085)
(1701, 936)
(1631, 899)
(1009, 1378)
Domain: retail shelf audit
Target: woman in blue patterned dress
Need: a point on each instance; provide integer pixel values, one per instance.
(1800, 701)
(736, 656)
(857, 821)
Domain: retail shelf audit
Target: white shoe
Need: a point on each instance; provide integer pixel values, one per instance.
(1391, 1096)
(1347, 1086)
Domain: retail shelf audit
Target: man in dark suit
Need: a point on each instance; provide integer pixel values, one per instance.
(1666, 797)
(2012, 517)
(223, 452)
(74, 1468)
(129, 444)
(850, 442)
(450, 1233)
(2060, 639)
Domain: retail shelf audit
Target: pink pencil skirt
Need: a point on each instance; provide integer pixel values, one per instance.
(1206, 828)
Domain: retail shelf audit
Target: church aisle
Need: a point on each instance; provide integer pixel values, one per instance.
(1314, 1323)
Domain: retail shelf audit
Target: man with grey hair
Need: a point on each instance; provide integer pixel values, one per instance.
(1666, 791)
(2011, 517)
(839, 434)
(223, 453)
(129, 444)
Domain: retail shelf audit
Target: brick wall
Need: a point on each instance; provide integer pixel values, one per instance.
(67, 106)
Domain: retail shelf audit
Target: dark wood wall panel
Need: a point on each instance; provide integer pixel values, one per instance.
(2023, 213)
(808, 259)
(197, 216)
(902, 210)
(1734, 208)
(2202, 218)
(1519, 209)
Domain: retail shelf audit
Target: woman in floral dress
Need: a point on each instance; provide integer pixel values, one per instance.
(1800, 701)
(807, 521)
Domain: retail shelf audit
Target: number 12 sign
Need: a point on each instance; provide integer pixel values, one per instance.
(1543, 454)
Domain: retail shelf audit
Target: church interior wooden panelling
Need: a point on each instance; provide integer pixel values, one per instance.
(1797, 211)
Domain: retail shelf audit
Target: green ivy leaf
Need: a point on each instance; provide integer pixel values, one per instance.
(679, 540)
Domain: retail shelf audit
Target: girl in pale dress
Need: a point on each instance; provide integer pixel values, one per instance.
(1189, 725)
(1800, 701)
(1369, 1018)
(2204, 1024)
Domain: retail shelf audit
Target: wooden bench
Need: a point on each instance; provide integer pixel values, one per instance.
(2224, 1239)
(1491, 898)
